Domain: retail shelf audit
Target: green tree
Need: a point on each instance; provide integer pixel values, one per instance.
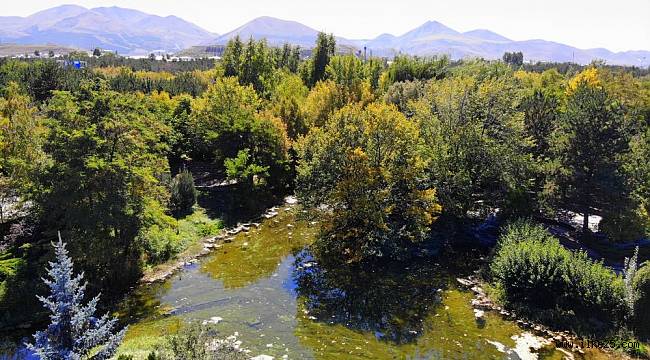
(587, 176)
(321, 55)
(364, 166)
(540, 113)
(348, 73)
(256, 66)
(287, 103)
(183, 193)
(476, 145)
(405, 68)
(232, 57)
(227, 120)
(106, 161)
(514, 58)
(21, 138)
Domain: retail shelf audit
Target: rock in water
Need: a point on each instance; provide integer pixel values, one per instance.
(262, 357)
(479, 315)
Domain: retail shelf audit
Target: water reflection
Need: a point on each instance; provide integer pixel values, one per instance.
(391, 302)
(256, 254)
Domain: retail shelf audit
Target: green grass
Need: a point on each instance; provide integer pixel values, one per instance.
(167, 239)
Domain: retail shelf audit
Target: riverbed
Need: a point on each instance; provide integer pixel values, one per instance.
(263, 286)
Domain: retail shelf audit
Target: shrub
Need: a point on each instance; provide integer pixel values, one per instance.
(183, 193)
(641, 314)
(533, 268)
(158, 236)
(199, 342)
(624, 225)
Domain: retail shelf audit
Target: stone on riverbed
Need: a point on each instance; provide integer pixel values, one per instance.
(262, 357)
(465, 282)
(479, 315)
(291, 200)
(213, 320)
(270, 214)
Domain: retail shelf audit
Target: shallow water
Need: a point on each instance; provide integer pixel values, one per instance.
(283, 306)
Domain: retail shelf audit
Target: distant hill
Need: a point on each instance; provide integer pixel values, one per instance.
(133, 32)
(113, 28)
(432, 38)
(275, 31)
(21, 50)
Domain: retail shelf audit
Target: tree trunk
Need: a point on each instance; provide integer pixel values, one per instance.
(585, 222)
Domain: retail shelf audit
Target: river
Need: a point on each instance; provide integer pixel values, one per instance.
(266, 290)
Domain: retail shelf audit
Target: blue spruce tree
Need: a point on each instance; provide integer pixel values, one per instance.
(74, 332)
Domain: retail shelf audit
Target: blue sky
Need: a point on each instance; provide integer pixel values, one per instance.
(616, 25)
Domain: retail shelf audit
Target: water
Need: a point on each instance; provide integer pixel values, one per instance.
(264, 288)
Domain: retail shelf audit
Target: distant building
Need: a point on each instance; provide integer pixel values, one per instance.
(77, 64)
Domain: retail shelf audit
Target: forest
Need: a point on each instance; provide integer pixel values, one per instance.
(523, 170)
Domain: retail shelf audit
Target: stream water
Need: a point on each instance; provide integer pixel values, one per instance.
(262, 287)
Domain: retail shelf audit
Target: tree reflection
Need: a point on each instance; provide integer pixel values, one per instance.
(391, 301)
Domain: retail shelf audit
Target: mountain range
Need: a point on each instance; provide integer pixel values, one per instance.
(134, 32)
(123, 30)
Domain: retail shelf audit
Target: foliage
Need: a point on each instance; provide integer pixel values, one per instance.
(288, 103)
(199, 342)
(641, 283)
(183, 193)
(475, 144)
(231, 131)
(513, 58)
(125, 80)
(533, 268)
(162, 237)
(21, 137)
(74, 331)
(405, 68)
(630, 267)
(106, 161)
(637, 169)
(323, 100)
(540, 116)
(321, 55)
(364, 166)
(586, 174)
(402, 93)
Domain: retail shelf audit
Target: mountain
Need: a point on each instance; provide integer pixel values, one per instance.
(113, 28)
(432, 38)
(487, 35)
(435, 38)
(134, 32)
(275, 31)
(429, 30)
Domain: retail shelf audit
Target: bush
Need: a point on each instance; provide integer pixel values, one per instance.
(183, 193)
(624, 225)
(641, 284)
(533, 269)
(200, 342)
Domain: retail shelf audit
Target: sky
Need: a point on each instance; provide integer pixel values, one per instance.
(616, 25)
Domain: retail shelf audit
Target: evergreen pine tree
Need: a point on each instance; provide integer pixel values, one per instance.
(74, 331)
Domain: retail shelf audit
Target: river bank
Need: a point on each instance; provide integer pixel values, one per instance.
(563, 341)
(253, 284)
(193, 253)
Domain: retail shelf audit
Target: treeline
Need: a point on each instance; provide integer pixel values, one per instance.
(144, 64)
(397, 153)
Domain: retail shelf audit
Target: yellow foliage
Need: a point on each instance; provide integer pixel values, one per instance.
(589, 76)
